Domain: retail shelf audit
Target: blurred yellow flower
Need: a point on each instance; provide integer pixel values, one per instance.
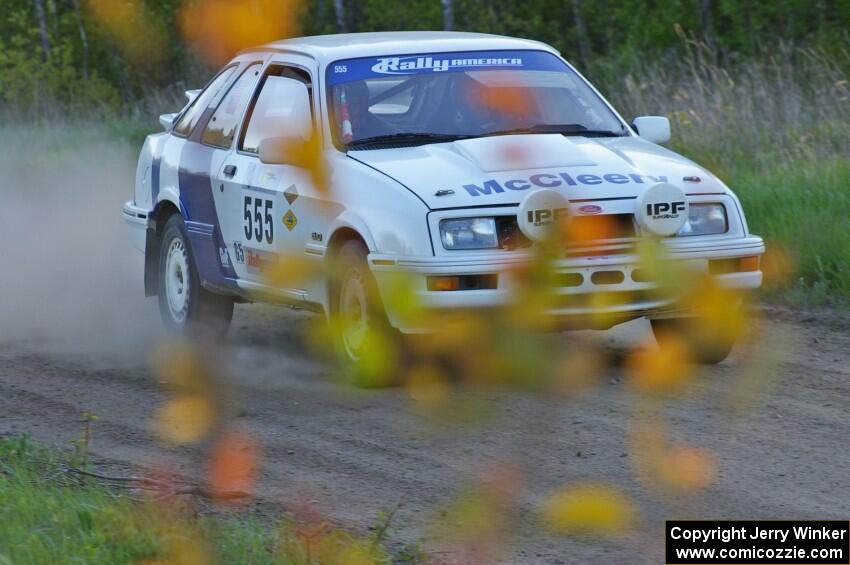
(290, 271)
(719, 311)
(661, 370)
(184, 419)
(473, 517)
(588, 509)
(427, 385)
(179, 366)
(188, 551)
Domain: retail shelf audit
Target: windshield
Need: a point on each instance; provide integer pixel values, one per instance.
(444, 96)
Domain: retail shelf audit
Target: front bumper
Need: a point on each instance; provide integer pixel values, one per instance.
(136, 219)
(620, 284)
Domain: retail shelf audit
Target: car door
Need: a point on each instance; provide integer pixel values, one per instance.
(186, 166)
(272, 209)
(219, 136)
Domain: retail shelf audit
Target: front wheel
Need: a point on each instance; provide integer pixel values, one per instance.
(185, 306)
(368, 347)
(708, 345)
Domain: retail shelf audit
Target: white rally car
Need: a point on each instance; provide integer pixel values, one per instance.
(447, 154)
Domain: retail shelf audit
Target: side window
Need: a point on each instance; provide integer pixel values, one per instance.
(264, 119)
(190, 119)
(221, 128)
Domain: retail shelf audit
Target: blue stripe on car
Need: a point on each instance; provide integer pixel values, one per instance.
(202, 226)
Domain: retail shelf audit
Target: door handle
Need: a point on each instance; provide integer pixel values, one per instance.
(229, 170)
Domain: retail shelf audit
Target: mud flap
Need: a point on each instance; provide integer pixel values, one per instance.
(151, 262)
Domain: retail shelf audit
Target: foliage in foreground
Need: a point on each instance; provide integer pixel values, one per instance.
(46, 518)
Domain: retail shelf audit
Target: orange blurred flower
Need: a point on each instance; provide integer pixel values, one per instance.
(503, 100)
(687, 468)
(582, 232)
(221, 28)
(672, 466)
(777, 266)
(233, 466)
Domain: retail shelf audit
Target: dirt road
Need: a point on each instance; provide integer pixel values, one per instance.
(75, 335)
(358, 454)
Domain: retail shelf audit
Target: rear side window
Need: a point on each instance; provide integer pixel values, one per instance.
(221, 128)
(190, 118)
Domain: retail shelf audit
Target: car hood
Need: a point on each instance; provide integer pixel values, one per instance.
(500, 170)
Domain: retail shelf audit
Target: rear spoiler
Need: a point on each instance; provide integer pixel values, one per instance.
(167, 120)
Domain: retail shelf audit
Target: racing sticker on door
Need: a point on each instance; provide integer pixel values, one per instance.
(258, 219)
(290, 220)
(256, 261)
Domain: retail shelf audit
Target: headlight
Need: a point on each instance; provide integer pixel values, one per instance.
(469, 233)
(705, 219)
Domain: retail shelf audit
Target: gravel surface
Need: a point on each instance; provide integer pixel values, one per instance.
(353, 454)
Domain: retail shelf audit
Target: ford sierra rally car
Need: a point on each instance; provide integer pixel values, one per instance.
(424, 179)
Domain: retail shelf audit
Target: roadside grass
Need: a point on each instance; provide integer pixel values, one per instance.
(47, 518)
(776, 130)
(804, 209)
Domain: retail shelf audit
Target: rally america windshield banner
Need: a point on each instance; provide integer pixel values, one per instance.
(348, 70)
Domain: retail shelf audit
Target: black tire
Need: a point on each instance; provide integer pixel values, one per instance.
(203, 313)
(707, 348)
(374, 359)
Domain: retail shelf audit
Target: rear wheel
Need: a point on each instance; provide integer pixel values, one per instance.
(707, 346)
(368, 347)
(185, 306)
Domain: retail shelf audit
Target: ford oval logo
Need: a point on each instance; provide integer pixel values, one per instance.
(590, 209)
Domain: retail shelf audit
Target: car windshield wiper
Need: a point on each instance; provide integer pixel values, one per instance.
(406, 137)
(563, 129)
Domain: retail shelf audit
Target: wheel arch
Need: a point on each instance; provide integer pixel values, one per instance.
(340, 236)
(163, 210)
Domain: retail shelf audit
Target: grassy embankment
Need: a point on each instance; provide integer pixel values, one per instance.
(777, 131)
(50, 516)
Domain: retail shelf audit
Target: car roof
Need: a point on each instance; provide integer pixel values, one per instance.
(327, 48)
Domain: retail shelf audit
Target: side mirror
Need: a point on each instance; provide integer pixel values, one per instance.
(653, 128)
(282, 151)
(167, 120)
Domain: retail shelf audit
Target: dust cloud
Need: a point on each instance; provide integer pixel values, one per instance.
(69, 276)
